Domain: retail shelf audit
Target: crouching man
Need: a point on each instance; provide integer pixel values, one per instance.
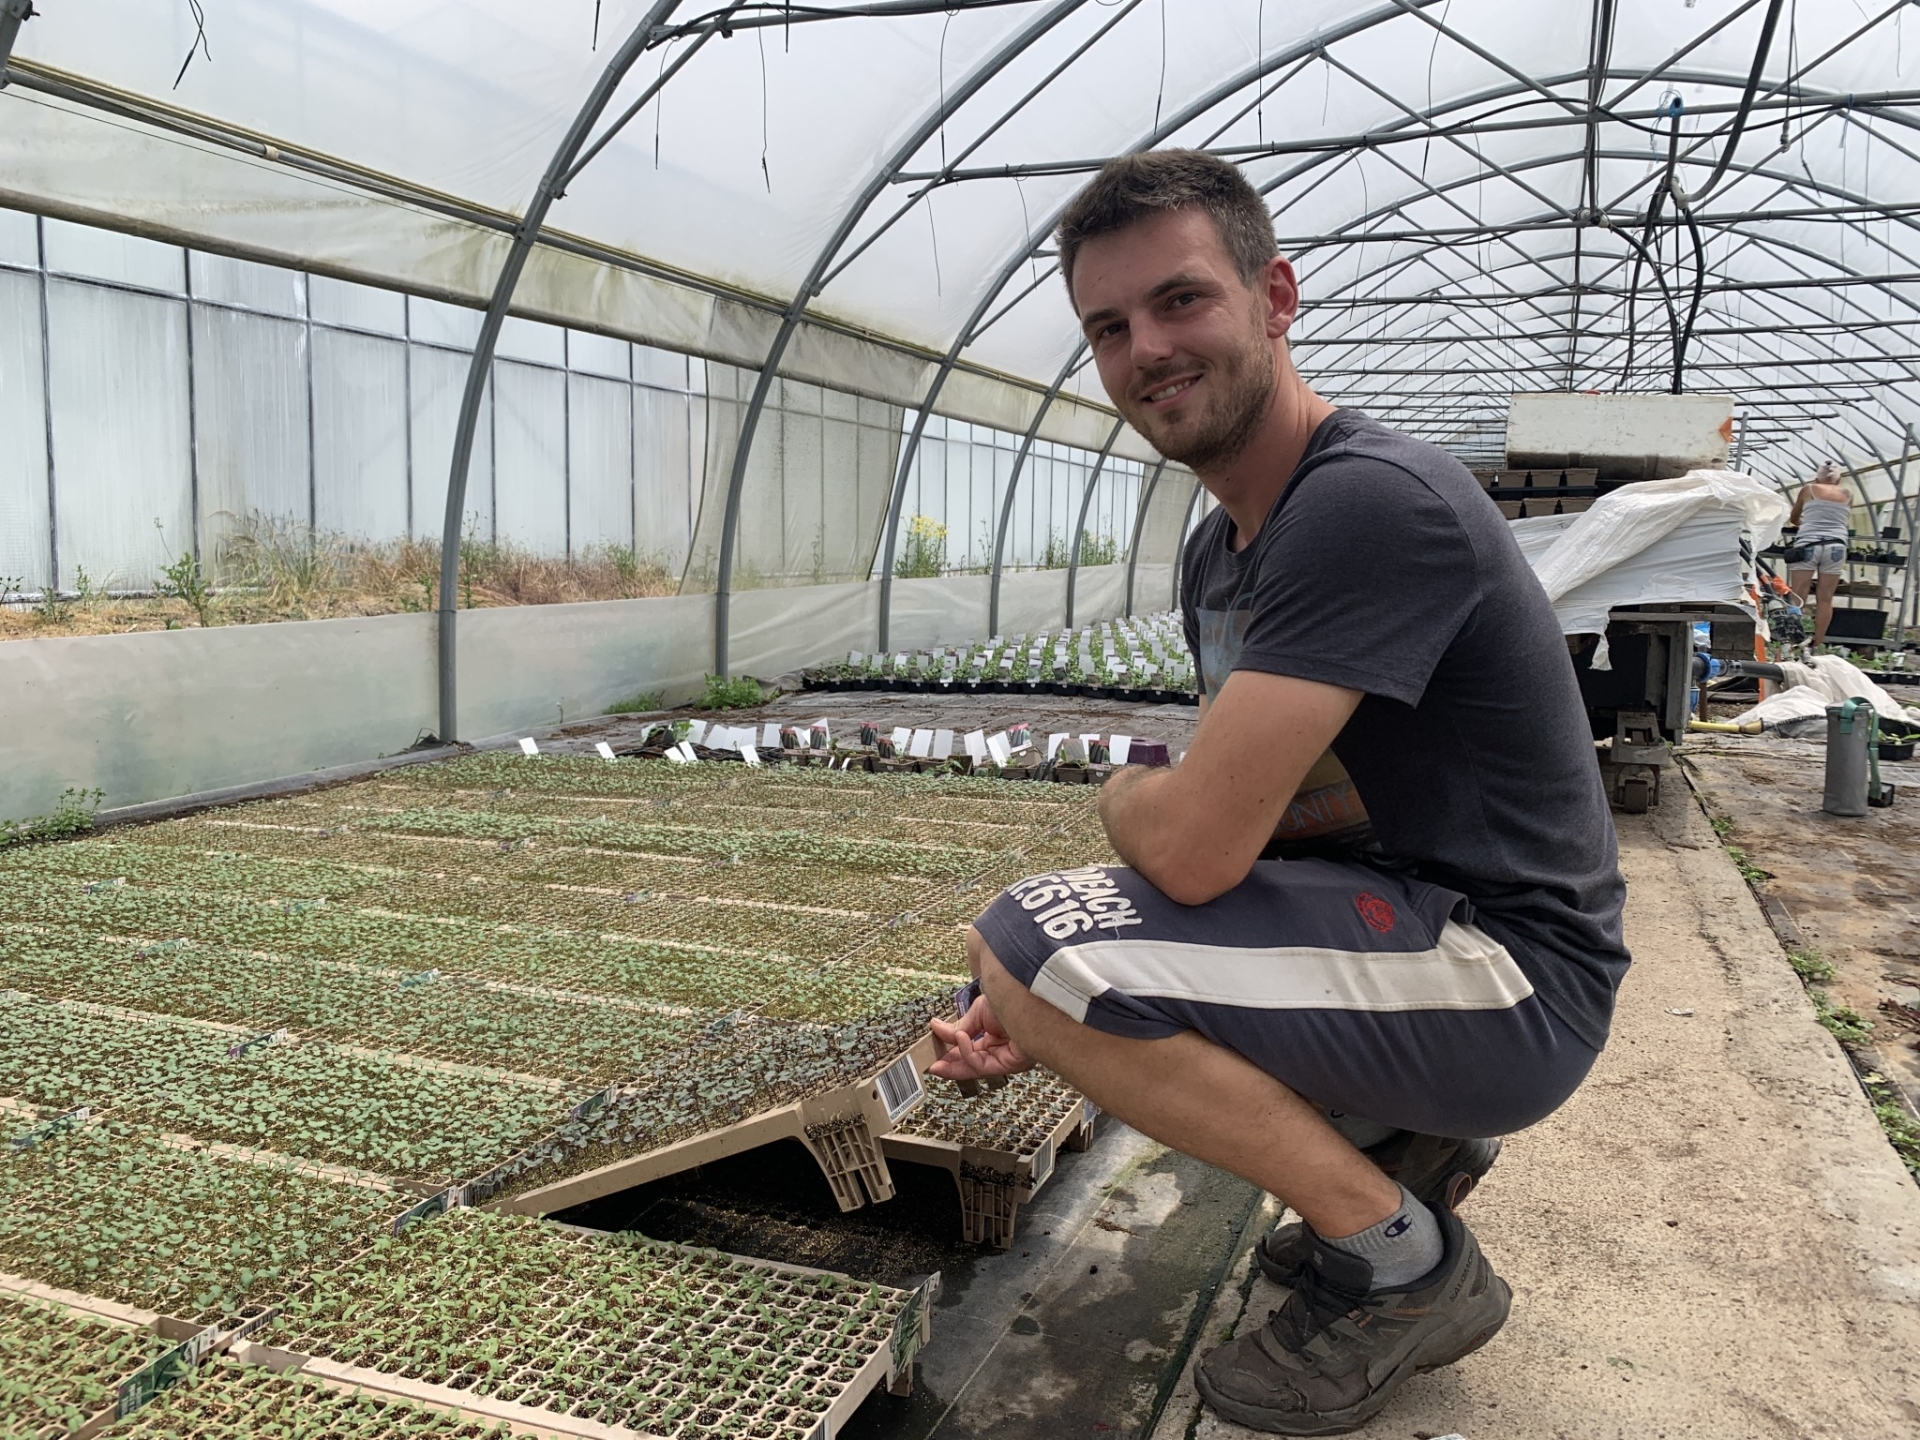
(1349, 1031)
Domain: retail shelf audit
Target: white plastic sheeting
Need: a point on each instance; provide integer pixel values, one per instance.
(25, 541)
(163, 713)
(1661, 541)
(1811, 686)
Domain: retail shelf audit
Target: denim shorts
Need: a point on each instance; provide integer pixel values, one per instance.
(1823, 557)
(1362, 990)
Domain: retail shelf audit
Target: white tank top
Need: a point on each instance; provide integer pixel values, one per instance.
(1824, 520)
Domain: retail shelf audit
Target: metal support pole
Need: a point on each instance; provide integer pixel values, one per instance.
(1180, 554)
(13, 14)
(876, 186)
(1140, 529)
(1080, 525)
(1013, 485)
(524, 236)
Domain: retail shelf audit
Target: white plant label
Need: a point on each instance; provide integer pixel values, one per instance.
(943, 744)
(998, 748)
(527, 747)
(920, 746)
(770, 735)
(697, 732)
(749, 754)
(603, 750)
(1053, 744)
(1122, 747)
(901, 735)
(976, 743)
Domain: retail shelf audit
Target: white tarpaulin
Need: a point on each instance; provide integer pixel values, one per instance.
(1801, 707)
(1658, 542)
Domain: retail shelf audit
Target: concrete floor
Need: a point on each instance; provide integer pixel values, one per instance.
(1711, 1239)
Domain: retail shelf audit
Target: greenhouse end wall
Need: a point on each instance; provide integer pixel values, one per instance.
(162, 713)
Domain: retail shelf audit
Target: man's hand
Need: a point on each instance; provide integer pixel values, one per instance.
(978, 1048)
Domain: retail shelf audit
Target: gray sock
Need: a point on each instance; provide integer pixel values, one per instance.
(1357, 1132)
(1401, 1248)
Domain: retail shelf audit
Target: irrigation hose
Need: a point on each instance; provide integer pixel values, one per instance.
(1746, 99)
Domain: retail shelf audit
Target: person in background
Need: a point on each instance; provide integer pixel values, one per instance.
(1822, 516)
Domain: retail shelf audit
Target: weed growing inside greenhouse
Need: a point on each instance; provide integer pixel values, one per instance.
(614, 1328)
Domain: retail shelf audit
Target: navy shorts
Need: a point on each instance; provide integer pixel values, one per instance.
(1365, 991)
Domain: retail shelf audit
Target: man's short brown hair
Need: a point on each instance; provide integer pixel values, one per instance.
(1132, 187)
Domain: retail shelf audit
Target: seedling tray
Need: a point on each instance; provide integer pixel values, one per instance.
(841, 1128)
(1000, 1145)
(62, 1356)
(199, 1235)
(226, 1400)
(598, 1335)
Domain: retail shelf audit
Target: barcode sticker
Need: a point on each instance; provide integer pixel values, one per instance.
(603, 750)
(900, 1087)
(1042, 1163)
(527, 747)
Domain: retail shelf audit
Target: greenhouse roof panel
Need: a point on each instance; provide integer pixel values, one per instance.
(893, 169)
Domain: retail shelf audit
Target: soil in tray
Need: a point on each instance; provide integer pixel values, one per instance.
(58, 1367)
(619, 1328)
(316, 1101)
(109, 1211)
(771, 1202)
(223, 1400)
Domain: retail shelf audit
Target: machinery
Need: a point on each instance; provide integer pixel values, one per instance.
(1563, 451)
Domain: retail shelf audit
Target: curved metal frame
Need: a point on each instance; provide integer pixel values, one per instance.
(1140, 527)
(525, 234)
(876, 185)
(1013, 483)
(1080, 525)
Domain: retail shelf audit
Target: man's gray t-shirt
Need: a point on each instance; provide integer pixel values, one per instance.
(1384, 568)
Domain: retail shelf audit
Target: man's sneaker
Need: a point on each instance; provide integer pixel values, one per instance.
(1330, 1358)
(1436, 1170)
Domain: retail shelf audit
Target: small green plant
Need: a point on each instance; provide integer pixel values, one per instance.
(1722, 826)
(636, 704)
(1749, 872)
(1845, 1024)
(1099, 549)
(184, 580)
(72, 816)
(1895, 1119)
(735, 694)
(85, 591)
(1810, 966)
(925, 553)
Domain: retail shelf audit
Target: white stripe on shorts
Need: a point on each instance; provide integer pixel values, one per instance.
(1467, 970)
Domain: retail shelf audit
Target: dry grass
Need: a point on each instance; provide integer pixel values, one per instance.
(270, 570)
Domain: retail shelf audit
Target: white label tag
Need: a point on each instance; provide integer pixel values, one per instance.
(1053, 745)
(1122, 747)
(901, 735)
(854, 657)
(943, 744)
(998, 748)
(920, 747)
(900, 1087)
(749, 754)
(697, 732)
(603, 750)
(976, 744)
(770, 735)
(527, 747)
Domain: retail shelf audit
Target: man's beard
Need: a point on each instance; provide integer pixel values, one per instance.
(1214, 438)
